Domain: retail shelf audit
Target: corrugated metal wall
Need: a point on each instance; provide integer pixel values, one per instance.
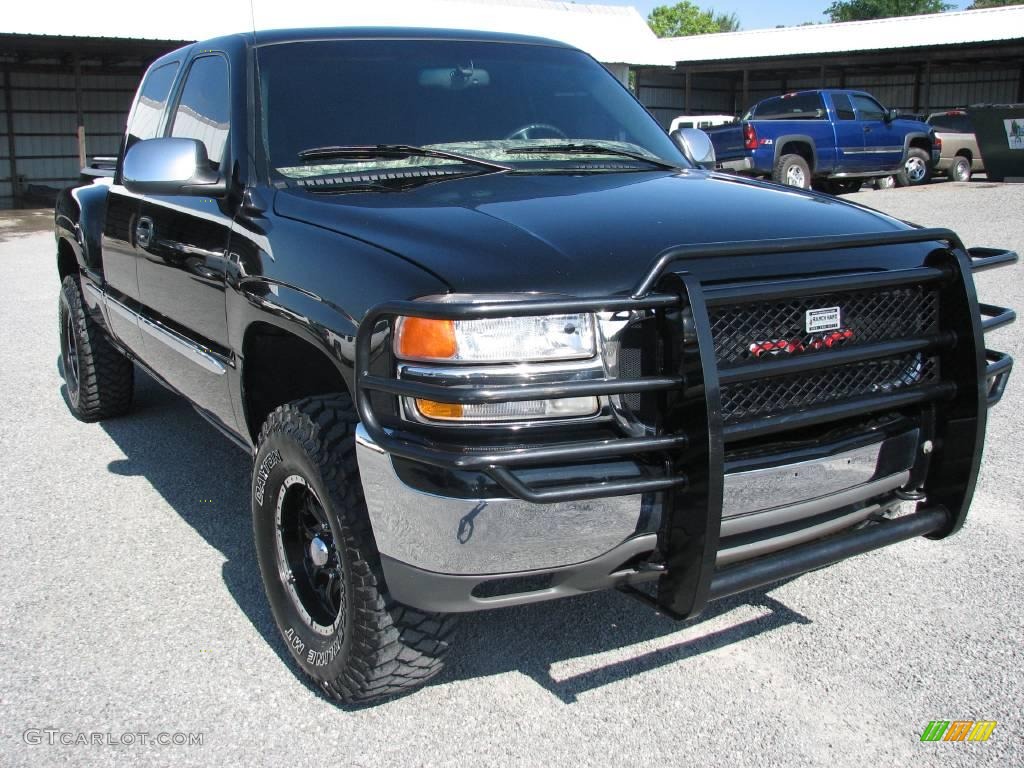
(6, 197)
(44, 109)
(663, 91)
(664, 94)
(956, 89)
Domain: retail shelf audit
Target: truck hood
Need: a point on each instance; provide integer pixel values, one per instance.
(587, 234)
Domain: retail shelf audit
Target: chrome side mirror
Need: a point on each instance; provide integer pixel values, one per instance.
(696, 146)
(171, 166)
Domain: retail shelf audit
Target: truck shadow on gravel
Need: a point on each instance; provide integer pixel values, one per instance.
(205, 478)
(604, 622)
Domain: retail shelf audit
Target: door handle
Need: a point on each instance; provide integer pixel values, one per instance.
(867, 129)
(144, 231)
(190, 250)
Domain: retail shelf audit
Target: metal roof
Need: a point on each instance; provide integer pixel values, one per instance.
(985, 25)
(610, 33)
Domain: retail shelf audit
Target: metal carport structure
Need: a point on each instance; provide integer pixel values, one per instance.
(63, 99)
(70, 73)
(916, 64)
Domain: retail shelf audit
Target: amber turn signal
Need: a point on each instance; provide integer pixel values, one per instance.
(424, 339)
(434, 410)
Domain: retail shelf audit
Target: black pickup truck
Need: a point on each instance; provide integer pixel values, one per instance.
(492, 339)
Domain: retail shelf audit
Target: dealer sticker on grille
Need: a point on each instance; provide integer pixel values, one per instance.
(824, 319)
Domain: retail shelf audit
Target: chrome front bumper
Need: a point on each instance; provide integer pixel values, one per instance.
(483, 536)
(780, 496)
(473, 541)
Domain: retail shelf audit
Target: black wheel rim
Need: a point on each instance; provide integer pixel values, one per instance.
(69, 354)
(308, 558)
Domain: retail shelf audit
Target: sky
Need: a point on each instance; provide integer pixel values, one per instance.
(753, 14)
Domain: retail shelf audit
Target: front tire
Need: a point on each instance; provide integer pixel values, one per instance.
(793, 171)
(99, 378)
(320, 565)
(916, 169)
(960, 170)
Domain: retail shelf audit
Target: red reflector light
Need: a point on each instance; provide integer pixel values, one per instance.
(777, 347)
(749, 136)
(938, 143)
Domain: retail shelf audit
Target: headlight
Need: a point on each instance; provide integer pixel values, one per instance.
(542, 341)
(496, 340)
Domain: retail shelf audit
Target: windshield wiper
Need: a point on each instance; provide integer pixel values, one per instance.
(391, 152)
(377, 181)
(587, 149)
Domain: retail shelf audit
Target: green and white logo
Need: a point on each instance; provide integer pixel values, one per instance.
(1015, 132)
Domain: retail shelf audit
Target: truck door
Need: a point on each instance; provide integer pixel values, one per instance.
(849, 135)
(120, 275)
(883, 143)
(182, 247)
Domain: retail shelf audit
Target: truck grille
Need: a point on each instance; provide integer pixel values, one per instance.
(873, 316)
(767, 396)
(745, 334)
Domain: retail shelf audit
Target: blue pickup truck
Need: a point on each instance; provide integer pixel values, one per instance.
(834, 138)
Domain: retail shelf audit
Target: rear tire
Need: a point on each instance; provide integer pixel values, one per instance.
(793, 171)
(917, 169)
(960, 170)
(99, 378)
(320, 565)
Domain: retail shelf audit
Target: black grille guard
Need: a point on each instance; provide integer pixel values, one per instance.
(690, 452)
(498, 464)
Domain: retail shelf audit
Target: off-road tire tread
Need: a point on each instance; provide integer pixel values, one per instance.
(394, 648)
(106, 376)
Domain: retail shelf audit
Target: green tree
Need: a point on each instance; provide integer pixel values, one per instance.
(990, 4)
(862, 10)
(686, 18)
(727, 22)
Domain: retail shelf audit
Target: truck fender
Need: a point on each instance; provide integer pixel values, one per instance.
(78, 220)
(782, 141)
(909, 138)
(328, 328)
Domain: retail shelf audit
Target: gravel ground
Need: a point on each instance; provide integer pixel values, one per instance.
(132, 604)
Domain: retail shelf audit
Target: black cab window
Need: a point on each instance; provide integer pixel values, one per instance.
(844, 109)
(951, 122)
(868, 108)
(204, 108)
(149, 107)
(793, 106)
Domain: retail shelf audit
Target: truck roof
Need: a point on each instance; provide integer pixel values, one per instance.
(271, 37)
(817, 90)
(312, 34)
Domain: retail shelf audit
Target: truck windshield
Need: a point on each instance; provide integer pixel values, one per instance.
(482, 100)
